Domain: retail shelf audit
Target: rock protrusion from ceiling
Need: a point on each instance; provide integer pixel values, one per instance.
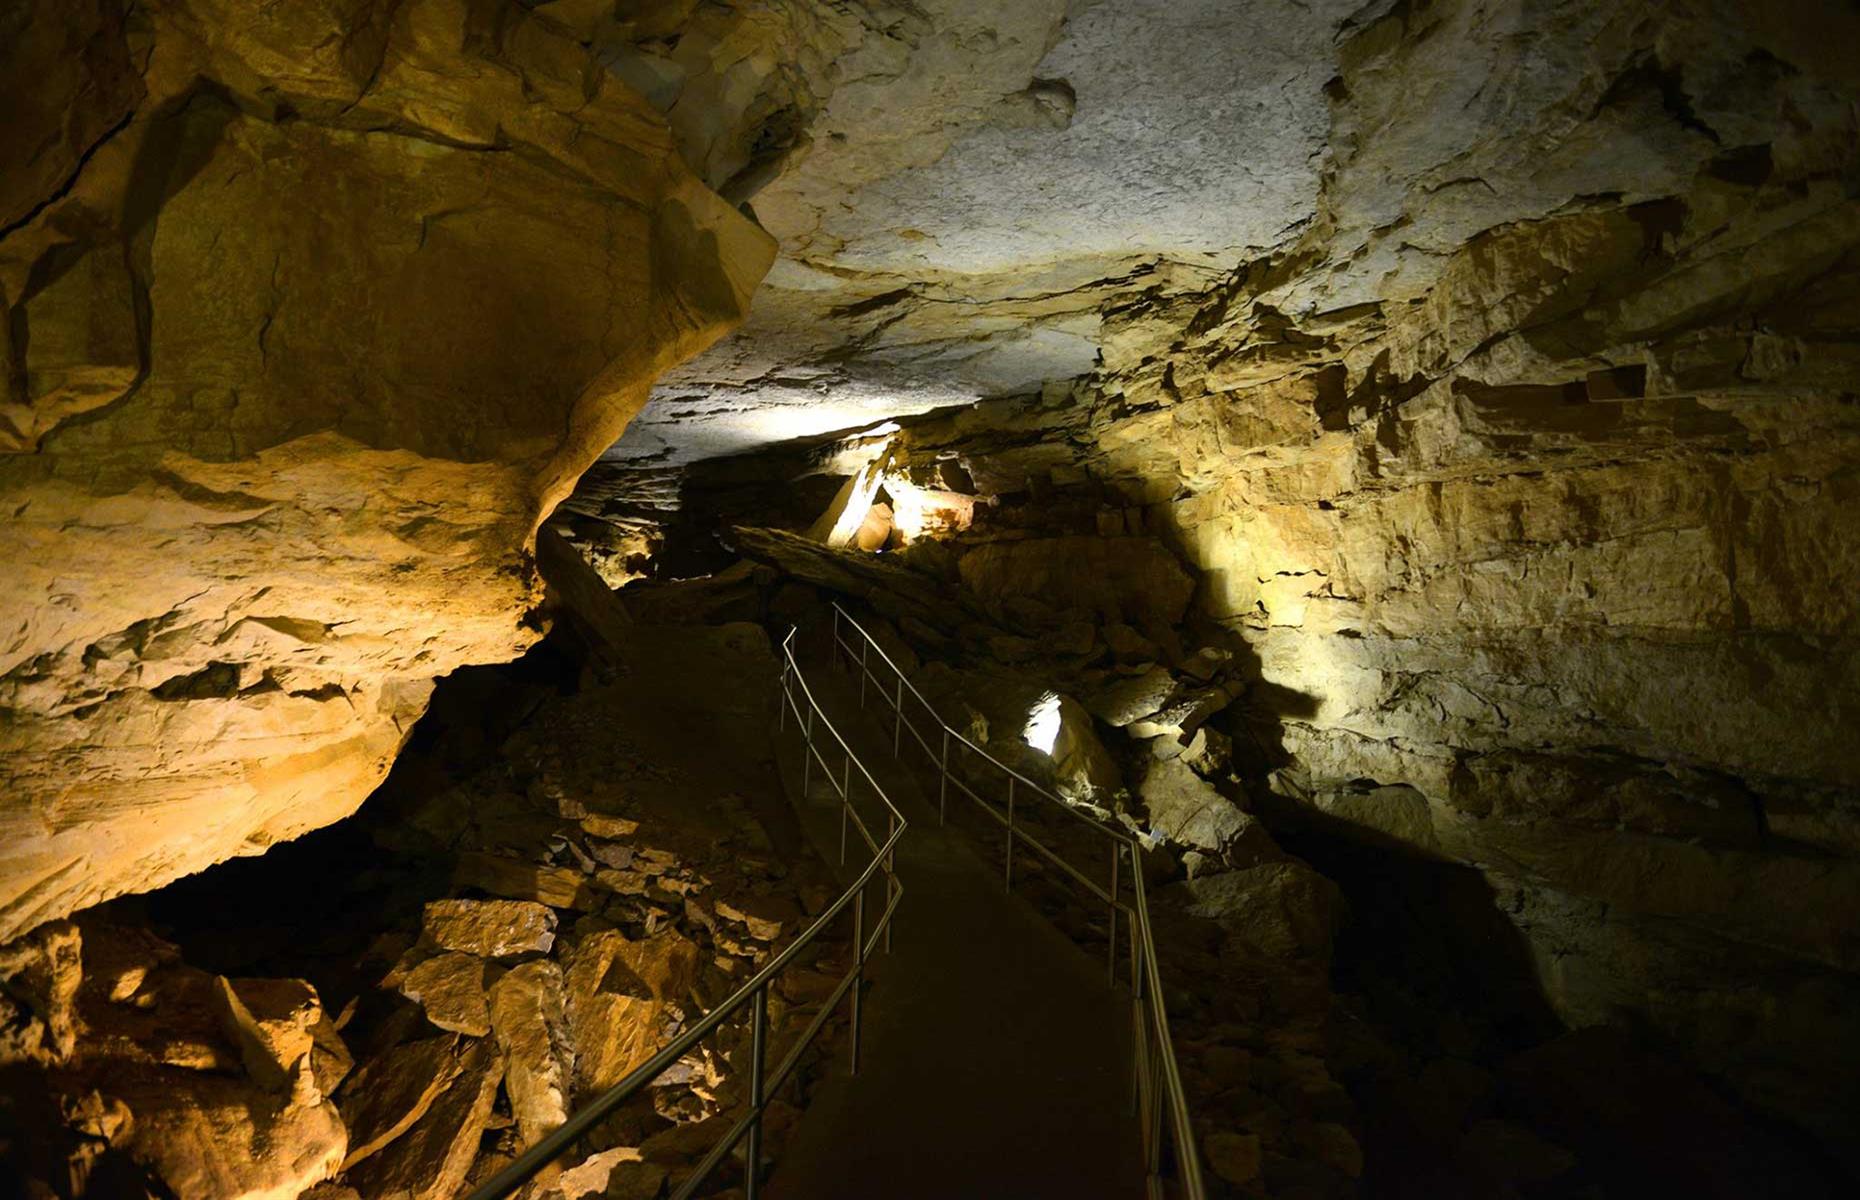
(740, 84)
(1003, 173)
(1356, 148)
(315, 316)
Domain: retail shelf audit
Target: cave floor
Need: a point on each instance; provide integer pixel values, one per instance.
(995, 1057)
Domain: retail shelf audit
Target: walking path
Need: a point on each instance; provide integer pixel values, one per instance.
(995, 1059)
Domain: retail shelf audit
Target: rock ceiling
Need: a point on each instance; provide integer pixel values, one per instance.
(981, 178)
(961, 188)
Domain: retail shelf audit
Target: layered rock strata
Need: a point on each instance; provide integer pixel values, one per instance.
(314, 316)
(1565, 595)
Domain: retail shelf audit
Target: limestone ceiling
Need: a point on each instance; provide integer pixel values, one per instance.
(977, 180)
(962, 187)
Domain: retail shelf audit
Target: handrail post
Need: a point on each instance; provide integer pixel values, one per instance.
(845, 803)
(942, 792)
(758, 1040)
(897, 725)
(1110, 955)
(1008, 879)
(1156, 1109)
(1138, 1054)
(864, 645)
(807, 754)
(787, 698)
(858, 973)
(891, 877)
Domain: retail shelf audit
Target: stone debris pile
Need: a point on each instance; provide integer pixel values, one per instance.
(595, 907)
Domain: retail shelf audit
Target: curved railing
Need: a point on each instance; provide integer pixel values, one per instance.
(751, 999)
(1158, 1081)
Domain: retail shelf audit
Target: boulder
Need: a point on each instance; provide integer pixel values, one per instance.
(490, 928)
(766, 917)
(271, 1022)
(39, 978)
(622, 998)
(1083, 770)
(1184, 714)
(1281, 909)
(391, 1092)
(1207, 662)
(875, 531)
(1190, 812)
(609, 827)
(1330, 1143)
(1122, 579)
(556, 887)
(430, 1160)
(1208, 752)
(594, 1176)
(330, 1059)
(450, 987)
(527, 1017)
(220, 1137)
(1125, 700)
(1128, 645)
(1234, 1157)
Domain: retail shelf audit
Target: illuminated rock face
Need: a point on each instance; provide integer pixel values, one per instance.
(1524, 479)
(316, 313)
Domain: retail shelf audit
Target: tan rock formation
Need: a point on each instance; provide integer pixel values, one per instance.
(391, 1093)
(490, 928)
(451, 988)
(39, 978)
(204, 1084)
(209, 1136)
(430, 1160)
(621, 996)
(526, 1016)
(1190, 811)
(1136, 581)
(270, 1021)
(1518, 466)
(316, 315)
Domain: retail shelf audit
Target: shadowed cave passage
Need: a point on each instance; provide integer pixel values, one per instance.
(1401, 458)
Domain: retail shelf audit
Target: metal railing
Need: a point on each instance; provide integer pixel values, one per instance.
(751, 999)
(1156, 1077)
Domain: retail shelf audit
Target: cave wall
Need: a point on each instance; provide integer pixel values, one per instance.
(314, 313)
(1527, 477)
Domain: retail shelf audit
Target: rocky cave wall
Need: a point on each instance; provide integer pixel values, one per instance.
(313, 313)
(1527, 481)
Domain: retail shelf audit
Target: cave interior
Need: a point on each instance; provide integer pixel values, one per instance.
(929, 598)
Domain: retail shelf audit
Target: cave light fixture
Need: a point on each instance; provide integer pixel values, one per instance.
(910, 506)
(1043, 724)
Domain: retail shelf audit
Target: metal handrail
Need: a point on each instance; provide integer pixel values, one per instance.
(753, 995)
(1154, 1068)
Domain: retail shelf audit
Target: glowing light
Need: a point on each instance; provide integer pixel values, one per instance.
(1043, 724)
(917, 511)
